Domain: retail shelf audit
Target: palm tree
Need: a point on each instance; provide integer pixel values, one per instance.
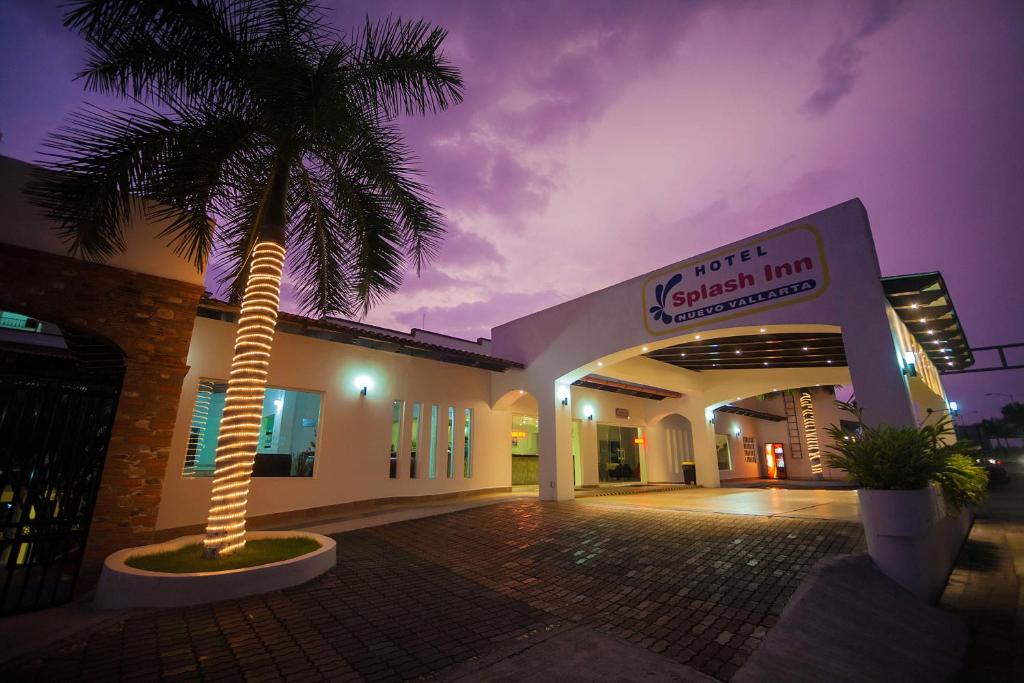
(255, 112)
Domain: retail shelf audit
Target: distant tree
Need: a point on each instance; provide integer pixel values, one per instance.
(998, 430)
(257, 112)
(1013, 414)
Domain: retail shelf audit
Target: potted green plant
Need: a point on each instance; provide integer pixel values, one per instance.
(916, 484)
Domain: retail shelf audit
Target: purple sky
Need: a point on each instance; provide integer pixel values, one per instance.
(600, 140)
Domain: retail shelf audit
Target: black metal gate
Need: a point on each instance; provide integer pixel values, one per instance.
(53, 440)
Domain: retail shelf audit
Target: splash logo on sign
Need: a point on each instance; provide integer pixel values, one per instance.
(784, 268)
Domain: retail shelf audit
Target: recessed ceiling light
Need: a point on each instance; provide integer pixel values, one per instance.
(599, 363)
(738, 352)
(805, 348)
(645, 348)
(766, 362)
(913, 305)
(829, 362)
(697, 336)
(763, 330)
(683, 355)
(922, 320)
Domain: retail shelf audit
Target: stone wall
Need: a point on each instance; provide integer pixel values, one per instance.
(151, 319)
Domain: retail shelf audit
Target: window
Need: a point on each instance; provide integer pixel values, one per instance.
(288, 431)
(16, 321)
(467, 444)
(618, 453)
(396, 435)
(451, 442)
(432, 465)
(722, 448)
(197, 432)
(414, 437)
(749, 449)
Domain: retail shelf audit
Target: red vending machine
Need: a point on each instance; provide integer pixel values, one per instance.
(775, 460)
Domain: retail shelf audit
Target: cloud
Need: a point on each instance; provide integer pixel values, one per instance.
(465, 249)
(469, 175)
(839, 63)
(536, 73)
(474, 319)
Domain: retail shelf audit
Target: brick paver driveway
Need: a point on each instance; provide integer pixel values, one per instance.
(413, 599)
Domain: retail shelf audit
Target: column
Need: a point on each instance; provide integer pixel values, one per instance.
(878, 382)
(704, 454)
(555, 475)
(588, 452)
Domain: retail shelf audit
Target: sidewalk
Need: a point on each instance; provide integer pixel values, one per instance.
(985, 588)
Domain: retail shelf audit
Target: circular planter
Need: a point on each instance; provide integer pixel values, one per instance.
(123, 586)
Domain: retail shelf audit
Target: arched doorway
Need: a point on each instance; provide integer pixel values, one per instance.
(59, 390)
(525, 438)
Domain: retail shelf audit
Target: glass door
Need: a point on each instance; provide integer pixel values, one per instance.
(618, 453)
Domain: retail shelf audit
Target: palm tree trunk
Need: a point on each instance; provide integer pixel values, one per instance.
(243, 406)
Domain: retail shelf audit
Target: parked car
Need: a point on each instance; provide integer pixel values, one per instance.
(996, 470)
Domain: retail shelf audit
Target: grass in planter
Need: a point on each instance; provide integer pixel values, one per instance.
(189, 558)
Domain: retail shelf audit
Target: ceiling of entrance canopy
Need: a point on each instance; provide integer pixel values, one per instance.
(757, 351)
(923, 303)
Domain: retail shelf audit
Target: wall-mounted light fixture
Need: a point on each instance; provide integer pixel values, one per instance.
(363, 383)
(910, 364)
(588, 412)
(954, 409)
(736, 430)
(563, 395)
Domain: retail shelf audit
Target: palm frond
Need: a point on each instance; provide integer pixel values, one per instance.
(373, 243)
(317, 245)
(237, 87)
(243, 208)
(166, 50)
(103, 161)
(94, 167)
(377, 152)
(399, 67)
(190, 182)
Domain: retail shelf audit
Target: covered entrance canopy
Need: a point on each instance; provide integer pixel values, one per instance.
(801, 305)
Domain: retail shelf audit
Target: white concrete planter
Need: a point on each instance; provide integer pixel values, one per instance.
(912, 537)
(123, 586)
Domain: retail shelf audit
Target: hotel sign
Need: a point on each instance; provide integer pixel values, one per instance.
(782, 269)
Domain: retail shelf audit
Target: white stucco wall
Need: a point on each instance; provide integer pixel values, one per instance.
(352, 460)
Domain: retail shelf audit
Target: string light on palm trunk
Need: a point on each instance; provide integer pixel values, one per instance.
(243, 405)
(810, 431)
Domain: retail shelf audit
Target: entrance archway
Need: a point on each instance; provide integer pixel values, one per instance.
(59, 390)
